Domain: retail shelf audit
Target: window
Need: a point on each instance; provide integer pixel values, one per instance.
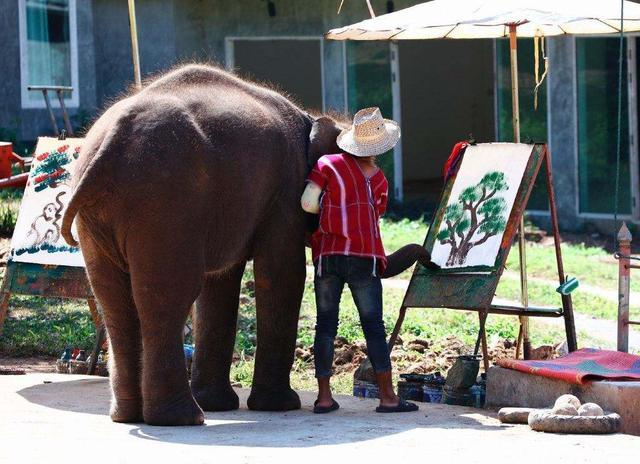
(597, 75)
(48, 48)
(533, 123)
(369, 84)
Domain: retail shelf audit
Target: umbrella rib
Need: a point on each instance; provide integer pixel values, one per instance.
(608, 25)
(451, 30)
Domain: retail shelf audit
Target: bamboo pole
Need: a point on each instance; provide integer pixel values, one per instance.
(515, 106)
(137, 76)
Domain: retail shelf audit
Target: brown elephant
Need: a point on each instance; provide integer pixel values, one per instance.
(177, 186)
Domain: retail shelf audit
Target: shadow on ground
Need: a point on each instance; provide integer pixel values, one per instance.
(356, 421)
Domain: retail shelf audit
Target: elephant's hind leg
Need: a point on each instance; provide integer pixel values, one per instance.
(112, 288)
(215, 335)
(164, 288)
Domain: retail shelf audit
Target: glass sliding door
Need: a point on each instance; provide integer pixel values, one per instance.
(369, 84)
(597, 82)
(533, 123)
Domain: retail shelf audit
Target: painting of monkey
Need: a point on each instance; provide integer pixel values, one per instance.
(45, 228)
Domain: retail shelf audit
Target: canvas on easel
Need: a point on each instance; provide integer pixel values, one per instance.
(473, 229)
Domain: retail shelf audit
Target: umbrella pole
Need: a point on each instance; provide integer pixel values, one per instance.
(524, 321)
(137, 77)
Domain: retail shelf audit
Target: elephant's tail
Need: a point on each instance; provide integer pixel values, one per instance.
(91, 181)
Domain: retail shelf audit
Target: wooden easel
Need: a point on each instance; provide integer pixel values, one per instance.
(52, 281)
(471, 291)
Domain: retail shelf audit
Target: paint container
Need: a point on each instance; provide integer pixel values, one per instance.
(364, 389)
(461, 397)
(371, 390)
(78, 367)
(62, 366)
(357, 388)
(411, 391)
(432, 393)
(479, 391)
(479, 394)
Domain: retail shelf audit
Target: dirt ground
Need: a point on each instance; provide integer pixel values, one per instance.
(414, 357)
(39, 364)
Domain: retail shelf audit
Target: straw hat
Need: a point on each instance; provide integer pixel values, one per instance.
(370, 134)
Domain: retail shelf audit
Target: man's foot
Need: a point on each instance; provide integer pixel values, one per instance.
(323, 408)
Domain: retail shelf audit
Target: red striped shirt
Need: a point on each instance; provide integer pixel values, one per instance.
(350, 207)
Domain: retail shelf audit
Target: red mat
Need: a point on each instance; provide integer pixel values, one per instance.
(582, 366)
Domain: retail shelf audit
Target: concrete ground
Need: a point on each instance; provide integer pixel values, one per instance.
(63, 418)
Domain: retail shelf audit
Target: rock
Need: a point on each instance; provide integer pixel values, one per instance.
(545, 421)
(564, 409)
(590, 409)
(542, 353)
(570, 399)
(417, 368)
(340, 341)
(365, 372)
(344, 355)
(416, 347)
(302, 354)
(514, 415)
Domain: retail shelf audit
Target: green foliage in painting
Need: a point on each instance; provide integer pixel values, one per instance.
(477, 216)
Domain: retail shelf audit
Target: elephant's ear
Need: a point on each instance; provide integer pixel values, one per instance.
(322, 139)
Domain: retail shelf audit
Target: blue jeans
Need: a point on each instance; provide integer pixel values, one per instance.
(366, 289)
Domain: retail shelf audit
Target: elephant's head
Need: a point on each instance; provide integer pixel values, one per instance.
(322, 138)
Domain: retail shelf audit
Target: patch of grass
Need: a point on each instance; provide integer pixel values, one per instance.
(591, 265)
(542, 294)
(396, 234)
(39, 326)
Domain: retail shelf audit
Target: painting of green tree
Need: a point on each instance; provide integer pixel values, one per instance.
(477, 215)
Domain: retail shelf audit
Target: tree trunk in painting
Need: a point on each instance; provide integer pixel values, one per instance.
(477, 216)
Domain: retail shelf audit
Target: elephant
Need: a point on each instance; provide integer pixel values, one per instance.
(176, 187)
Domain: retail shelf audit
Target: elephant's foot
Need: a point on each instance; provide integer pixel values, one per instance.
(127, 411)
(182, 410)
(215, 397)
(273, 399)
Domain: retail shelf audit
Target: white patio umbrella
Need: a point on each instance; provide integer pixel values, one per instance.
(483, 19)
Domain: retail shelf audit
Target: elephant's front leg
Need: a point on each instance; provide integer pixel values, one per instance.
(279, 267)
(215, 334)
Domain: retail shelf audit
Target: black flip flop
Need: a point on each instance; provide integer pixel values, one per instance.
(325, 409)
(402, 406)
